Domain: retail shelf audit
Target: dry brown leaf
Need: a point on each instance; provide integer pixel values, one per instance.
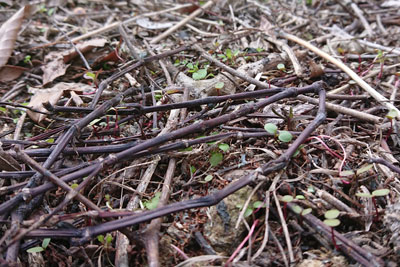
(9, 32)
(51, 95)
(316, 70)
(9, 72)
(55, 67)
(83, 47)
(56, 62)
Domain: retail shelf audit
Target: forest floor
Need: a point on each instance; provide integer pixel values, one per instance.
(199, 133)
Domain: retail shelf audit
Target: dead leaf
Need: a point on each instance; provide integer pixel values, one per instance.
(9, 72)
(83, 47)
(316, 70)
(148, 24)
(9, 32)
(55, 62)
(52, 95)
(54, 68)
(7, 162)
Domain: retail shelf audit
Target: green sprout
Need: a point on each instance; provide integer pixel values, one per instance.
(391, 115)
(27, 59)
(45, 244)
(283, 136)
(302, 212)
(376, 193)
(332, 221)
(152, 203)
(286, 199)
(105, 241)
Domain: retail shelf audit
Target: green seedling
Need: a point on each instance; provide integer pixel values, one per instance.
(200, 74)
(216, 156)
(45, 244)
(152, 203)
(27, 59)
(302, 212)
(332, 221)
(391, 115)
(381, 60)
(250, 209)
(219, 86)
(229, 55)
(281, 67)
(207, 179)
(105, 241)
(376, 193)
(108, 201)
(283, 136)
(286, 199)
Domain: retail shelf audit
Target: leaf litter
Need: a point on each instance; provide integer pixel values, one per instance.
(182, 85)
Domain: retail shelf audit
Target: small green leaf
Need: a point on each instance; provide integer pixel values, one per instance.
(208, 178)
(45, 242)
(152, 203)
(364, 168)
(223, 147)
(248, 212)
(100, 238)
(50, 140)
(186, 149)
(93, 122)
(200, 74)
(346, 173)
(216, 158)
(311, 189)
(281, 67)
(219, 85)
(228, 53)
(287, 198)
(27, 59)
(332, 214)
(190, 66)
(380, 192)
(50, 11)
(332, 222)
(271, 128)
(392, 114)
(257, 204)
(192, 169)
(297, 209)
(3, 109)
(35, 250)
(300, 197)
(363, 194)
(285, 136)
(109, 238)
(89, 75)
(306, 211)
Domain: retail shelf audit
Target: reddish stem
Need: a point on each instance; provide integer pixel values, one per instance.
(390, 130)
(333, 239)
(376, 209)
(284, 210)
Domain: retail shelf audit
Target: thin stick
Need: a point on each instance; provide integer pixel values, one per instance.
(182, 22)
(378, 97)
(348, 111)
